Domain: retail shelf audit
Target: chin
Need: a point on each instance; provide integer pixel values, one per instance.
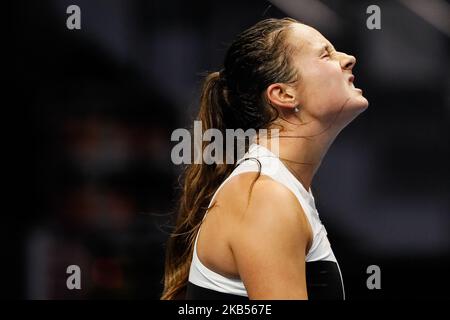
(358, 103)
(354, 107)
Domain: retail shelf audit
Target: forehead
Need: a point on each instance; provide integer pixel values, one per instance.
(307, 38)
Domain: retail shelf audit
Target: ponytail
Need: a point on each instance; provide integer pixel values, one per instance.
(199, 183)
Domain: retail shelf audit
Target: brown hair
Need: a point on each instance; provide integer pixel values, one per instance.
(230, 99)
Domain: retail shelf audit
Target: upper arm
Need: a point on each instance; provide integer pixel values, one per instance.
(269, 243)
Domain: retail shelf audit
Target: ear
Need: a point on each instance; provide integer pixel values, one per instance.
(281, 95)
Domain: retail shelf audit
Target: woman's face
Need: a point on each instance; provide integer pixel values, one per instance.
(325, 87)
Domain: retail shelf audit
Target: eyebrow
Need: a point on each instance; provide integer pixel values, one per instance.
(326, 47)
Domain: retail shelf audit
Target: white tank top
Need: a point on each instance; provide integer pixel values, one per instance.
(273, 167)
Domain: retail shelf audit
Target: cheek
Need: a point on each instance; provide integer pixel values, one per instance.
(324, 87)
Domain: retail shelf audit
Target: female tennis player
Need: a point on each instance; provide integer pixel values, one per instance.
(251, 230)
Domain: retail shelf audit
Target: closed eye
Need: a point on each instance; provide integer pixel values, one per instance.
(327, 51)
(326, 55)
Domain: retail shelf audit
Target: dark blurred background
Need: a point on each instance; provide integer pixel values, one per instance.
(98, 106)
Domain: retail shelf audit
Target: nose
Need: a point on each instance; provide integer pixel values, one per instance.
(347, 62)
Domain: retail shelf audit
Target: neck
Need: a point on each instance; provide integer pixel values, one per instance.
(302, 150)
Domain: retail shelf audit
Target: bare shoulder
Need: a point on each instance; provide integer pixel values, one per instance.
(264, 194)
(270, 239)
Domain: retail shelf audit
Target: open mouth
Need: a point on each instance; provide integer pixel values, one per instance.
(352, 85)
